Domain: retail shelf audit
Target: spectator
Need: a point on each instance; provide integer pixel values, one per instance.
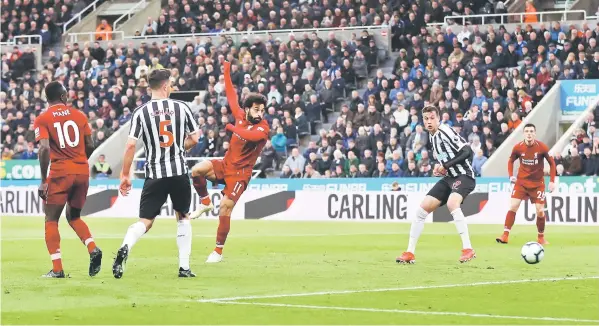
(574, 163)
(101, 169)
(310, 173)
(478, 161)
(295, 162)
(30, 154)
(380, 171)
(104, 31)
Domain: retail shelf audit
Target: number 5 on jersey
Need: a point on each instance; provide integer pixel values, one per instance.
(164, 132)
(64, 136)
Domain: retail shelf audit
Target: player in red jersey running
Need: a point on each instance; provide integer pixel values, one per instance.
(530, 183)
(64, 139)
(250, 134)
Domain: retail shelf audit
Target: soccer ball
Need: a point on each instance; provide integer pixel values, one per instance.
(533, 252)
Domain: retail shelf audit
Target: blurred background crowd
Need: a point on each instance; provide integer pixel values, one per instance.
(333, 111)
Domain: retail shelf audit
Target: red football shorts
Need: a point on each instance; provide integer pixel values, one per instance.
(235, 180)
(536, 194)
(71, 189)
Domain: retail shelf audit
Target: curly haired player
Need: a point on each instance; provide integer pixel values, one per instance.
(250, 134)
(530, 183)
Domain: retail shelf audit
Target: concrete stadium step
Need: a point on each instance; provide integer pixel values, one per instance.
(120, 8)
(386, 66)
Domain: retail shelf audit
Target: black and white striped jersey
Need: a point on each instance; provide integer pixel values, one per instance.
(446, 143)
(163, 125)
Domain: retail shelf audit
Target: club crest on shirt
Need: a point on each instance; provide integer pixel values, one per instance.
(456, 184)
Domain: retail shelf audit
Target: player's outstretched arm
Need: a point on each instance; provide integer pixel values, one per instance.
(257, 135)
(464, 154)
(232, 97)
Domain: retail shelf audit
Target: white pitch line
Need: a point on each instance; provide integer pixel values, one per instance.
(300, 235)
(411, 288)
(415, 312)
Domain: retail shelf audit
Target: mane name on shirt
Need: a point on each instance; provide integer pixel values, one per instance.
(61, 113)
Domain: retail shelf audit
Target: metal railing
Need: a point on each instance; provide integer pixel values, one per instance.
(296, 32)
(505, 18)
(36, 48)
(91, 36)
(79, 16)
(132, 11)
(28, 39)
(141, 173)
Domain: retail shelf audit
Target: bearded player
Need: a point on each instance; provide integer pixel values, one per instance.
(250, 134)
(530, 183)
(64, 140)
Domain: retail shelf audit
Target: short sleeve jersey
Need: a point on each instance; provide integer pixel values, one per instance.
(65, 128)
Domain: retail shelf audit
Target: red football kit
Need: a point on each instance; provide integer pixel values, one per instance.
(530, 183)
(65, 128)
(235, 169)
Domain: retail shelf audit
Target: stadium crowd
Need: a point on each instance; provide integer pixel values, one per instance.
(484, 80)
(46, 18)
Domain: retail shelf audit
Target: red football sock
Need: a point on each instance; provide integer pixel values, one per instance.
(199, 184)
(53, 245)
(224, 225)
(541, 222)
(510, 218)
(83, 233)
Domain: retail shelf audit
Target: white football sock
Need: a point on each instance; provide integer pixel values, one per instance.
(462, 227)
(135, 231)
(416, 229)
(184, 242)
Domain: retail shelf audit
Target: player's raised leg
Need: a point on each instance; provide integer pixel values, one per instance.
(76, 201)
(200, 173)
(454, 205)
(224, 226)
(428, 205)
(510, 218)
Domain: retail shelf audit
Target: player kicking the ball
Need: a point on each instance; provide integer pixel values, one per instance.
(455, 156)
(250, 134)
(65, 140)
(530, 183)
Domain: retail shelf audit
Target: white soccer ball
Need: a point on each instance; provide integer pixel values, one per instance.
(533, 252)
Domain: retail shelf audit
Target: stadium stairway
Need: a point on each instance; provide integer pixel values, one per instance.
(141, 11)
(386, 66)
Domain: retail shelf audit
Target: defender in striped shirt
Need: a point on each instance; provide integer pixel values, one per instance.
(454, 156)
(167, 129)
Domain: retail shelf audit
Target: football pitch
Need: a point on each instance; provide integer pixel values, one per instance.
(302, 273)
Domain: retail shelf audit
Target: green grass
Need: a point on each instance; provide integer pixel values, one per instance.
(264, 258)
